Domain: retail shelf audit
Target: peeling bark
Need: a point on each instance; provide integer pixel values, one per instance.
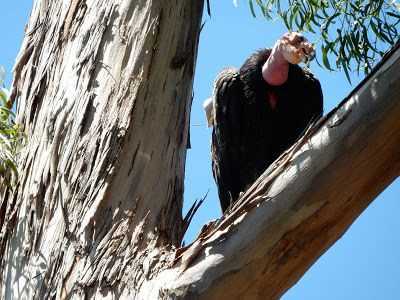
(103, 90)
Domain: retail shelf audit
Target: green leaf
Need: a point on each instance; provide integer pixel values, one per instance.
(346, 71)
(11, 139)
(3, 96)
(355, 42)
(260, 4)
(309, 28)
(383, 36)
(331, 19)
(325, 59)
(293, 16)
(284, 17)
(394, 15)
(375, 29)
(252, 8)
(368, 28)
(11, 165)
(2, 75)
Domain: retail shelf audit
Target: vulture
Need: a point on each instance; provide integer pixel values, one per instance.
(259, 111)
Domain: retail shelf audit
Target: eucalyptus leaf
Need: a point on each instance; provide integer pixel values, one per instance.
(2, 75)
(252, 8)
(356, 33)
(325, 59)
(12, 139)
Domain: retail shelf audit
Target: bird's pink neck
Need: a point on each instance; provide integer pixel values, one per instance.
(275, 71)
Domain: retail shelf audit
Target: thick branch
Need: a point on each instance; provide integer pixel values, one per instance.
(287, 220)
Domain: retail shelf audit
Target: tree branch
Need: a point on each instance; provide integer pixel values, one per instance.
(294, 213)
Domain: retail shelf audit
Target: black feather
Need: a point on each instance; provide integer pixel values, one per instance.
(249, 134)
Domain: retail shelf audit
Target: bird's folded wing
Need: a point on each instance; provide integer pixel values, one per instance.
(227, 109)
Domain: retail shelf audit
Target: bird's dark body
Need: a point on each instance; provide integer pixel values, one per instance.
(249, 134)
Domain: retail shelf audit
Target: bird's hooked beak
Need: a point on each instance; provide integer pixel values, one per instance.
(309, 55)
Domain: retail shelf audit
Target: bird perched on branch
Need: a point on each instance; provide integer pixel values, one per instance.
(258, 111)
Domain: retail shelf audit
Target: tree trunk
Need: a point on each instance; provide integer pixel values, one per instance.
(104, 94)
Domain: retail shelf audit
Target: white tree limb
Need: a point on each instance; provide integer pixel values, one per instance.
(287, 220)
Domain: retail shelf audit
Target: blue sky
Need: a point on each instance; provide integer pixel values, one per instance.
(365, 262)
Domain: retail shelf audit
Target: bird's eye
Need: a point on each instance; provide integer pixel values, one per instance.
(300, 38)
